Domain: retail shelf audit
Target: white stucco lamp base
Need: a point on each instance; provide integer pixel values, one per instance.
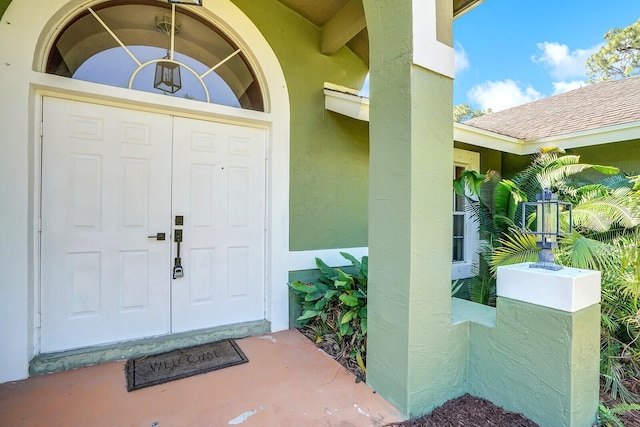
(569, 289)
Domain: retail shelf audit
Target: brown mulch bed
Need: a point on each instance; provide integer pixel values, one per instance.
(468, 411)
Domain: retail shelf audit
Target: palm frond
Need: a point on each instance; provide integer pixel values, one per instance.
(482, 289)
(526, 180)
(567, 166)
(600, 213)
(619, 180)
(507, 197)
(516, 248)
(581, 252)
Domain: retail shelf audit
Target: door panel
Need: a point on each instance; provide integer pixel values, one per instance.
(105, 188)
(219, 188)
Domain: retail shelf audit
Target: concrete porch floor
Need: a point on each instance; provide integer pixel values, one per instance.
(287, 382)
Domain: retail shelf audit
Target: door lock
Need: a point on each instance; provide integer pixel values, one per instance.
(157, 236)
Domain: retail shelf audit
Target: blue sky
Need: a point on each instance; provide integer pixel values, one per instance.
(509, 52)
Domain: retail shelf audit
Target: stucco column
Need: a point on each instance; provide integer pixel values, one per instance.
(415, 358)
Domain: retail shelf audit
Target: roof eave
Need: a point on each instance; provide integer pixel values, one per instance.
(486, 139)
(347, 102)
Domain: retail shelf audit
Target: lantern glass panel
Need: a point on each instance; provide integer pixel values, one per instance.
(167, 77)
(547, 222)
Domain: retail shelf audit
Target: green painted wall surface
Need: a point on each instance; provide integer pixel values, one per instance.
(329, 152)
(538, 361)
(512, 164)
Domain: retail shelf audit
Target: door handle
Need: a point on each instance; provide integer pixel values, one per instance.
(178, 271)
(158, 236)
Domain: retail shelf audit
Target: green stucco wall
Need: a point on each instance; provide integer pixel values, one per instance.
(512, 164)
(539, 361)
(329, 152)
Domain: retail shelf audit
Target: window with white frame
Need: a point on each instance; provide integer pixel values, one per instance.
(465, 230)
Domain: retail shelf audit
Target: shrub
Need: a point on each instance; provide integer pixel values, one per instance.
(334, 311)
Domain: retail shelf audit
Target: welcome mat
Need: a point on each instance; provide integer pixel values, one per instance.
(182, 363)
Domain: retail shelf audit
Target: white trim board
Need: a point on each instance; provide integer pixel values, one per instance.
(306, 260)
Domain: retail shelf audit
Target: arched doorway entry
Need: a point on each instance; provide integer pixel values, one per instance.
(156, 221)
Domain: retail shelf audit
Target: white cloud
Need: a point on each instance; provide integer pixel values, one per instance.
(562, 62)
(501, 95)
(461, 59)
(561, 87)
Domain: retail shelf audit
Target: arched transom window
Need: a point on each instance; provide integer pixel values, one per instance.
(155, 47)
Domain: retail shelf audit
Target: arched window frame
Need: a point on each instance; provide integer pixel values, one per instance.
(246, 87)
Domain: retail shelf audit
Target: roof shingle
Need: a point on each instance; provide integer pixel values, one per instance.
(596, 106)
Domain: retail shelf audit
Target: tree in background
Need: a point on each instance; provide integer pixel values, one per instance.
(463, 112)
(619, 58)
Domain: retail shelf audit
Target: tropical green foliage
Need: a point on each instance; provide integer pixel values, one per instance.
(609, 417)
(606, 237)
(496, 205)
(619, 57)
(334, 309)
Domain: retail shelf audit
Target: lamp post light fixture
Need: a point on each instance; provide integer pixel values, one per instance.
(548, 210)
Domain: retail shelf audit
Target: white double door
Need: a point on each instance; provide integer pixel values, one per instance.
(112, 179)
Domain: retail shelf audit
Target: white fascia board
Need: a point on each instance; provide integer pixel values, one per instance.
(624, 132)
(346, 101)
(486, 139)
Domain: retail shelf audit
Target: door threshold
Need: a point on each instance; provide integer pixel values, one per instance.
(72, 359)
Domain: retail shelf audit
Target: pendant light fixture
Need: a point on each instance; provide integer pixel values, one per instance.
(167, 76)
